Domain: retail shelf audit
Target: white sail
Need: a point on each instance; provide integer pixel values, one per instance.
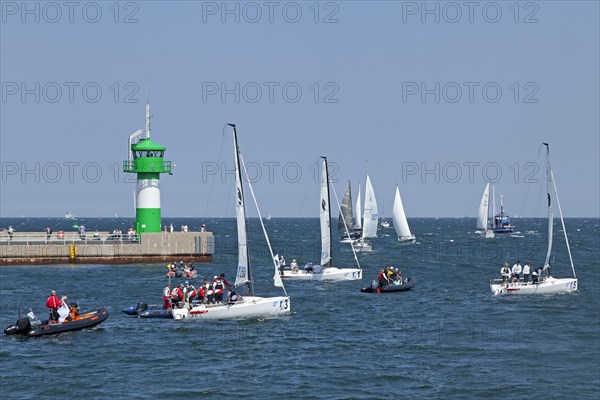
(242, 275)
(346, 209)
(370, 216)
(325, 216)
(399, 217)
(358, 210)
(482, 213)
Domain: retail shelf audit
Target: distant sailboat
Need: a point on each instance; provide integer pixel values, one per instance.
(399, 219)
(370, 218)
(358, 211)
(268, 217)
(69, 215)
(346, 215)
(384, 222)
(483, 213)
(548, 284)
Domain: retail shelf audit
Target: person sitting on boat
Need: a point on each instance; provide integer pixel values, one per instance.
(177, 296)
(64, 310)
(192, 273)
(505, 272)
(526, 271)
(397, 278)
(294, 266)
(190, 292)
(179, 269)
(232, 296)
(167, 297)
(390, 275)
(201, 294)
(534, 276)
(317, 269)
(53, 302)
(516, 271)
(171, 270)
(74, 312)
(309, 267)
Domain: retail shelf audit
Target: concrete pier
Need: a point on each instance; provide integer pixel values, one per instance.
(70, 247)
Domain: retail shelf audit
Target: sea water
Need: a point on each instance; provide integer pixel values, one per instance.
(449, 337)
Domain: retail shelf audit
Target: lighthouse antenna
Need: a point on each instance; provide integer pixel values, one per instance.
(147, 120)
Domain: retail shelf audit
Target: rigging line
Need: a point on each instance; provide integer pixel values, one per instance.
(212, 184)
(345, 225)
(562, 221)
(260, 218)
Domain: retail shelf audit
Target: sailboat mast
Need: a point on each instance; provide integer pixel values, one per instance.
(242, 203)
(550, 217)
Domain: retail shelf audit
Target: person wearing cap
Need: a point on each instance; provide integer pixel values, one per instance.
(53, 302)
(177, 295)
(294, 266)
(218, 287)
(190, 293)
(167, 297)
(63, 310)
(202, 228)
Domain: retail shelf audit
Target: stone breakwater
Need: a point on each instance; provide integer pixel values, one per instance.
(104, 248)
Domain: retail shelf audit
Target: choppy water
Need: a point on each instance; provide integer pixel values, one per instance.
(447, 338)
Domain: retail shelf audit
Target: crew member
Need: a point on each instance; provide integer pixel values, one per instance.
(53, 302)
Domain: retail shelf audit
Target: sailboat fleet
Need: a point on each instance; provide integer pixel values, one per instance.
(354, 221)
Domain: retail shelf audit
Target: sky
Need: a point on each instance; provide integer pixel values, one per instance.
(437, 97)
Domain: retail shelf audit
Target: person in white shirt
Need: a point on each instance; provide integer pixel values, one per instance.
(516, 271)
(526, 271)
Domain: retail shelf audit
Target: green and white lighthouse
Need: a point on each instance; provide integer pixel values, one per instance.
(146, 160)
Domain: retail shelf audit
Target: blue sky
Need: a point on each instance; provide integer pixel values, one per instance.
(437, 96)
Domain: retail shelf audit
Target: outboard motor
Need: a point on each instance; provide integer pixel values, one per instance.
(23, 325)
(374, 284)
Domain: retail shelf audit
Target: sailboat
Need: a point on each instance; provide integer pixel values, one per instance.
(548, 284)
(399, 220)
(324, 270)
(249, 305)
(268, 217)
(384, 222)
(484, 212)
(370, 218)
(346, 217)
(69, 215)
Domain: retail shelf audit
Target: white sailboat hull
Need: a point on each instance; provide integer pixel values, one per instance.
(251, 306)
(406, 239)
(327, 274)
(361, 245)
(549, 285)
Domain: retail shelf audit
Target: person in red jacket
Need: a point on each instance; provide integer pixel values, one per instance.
(53, 302)
(177, 295)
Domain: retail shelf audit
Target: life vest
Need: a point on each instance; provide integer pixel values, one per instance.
(218, 286)
(60, 234)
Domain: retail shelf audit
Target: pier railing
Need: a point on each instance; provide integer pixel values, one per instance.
(66, 237)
